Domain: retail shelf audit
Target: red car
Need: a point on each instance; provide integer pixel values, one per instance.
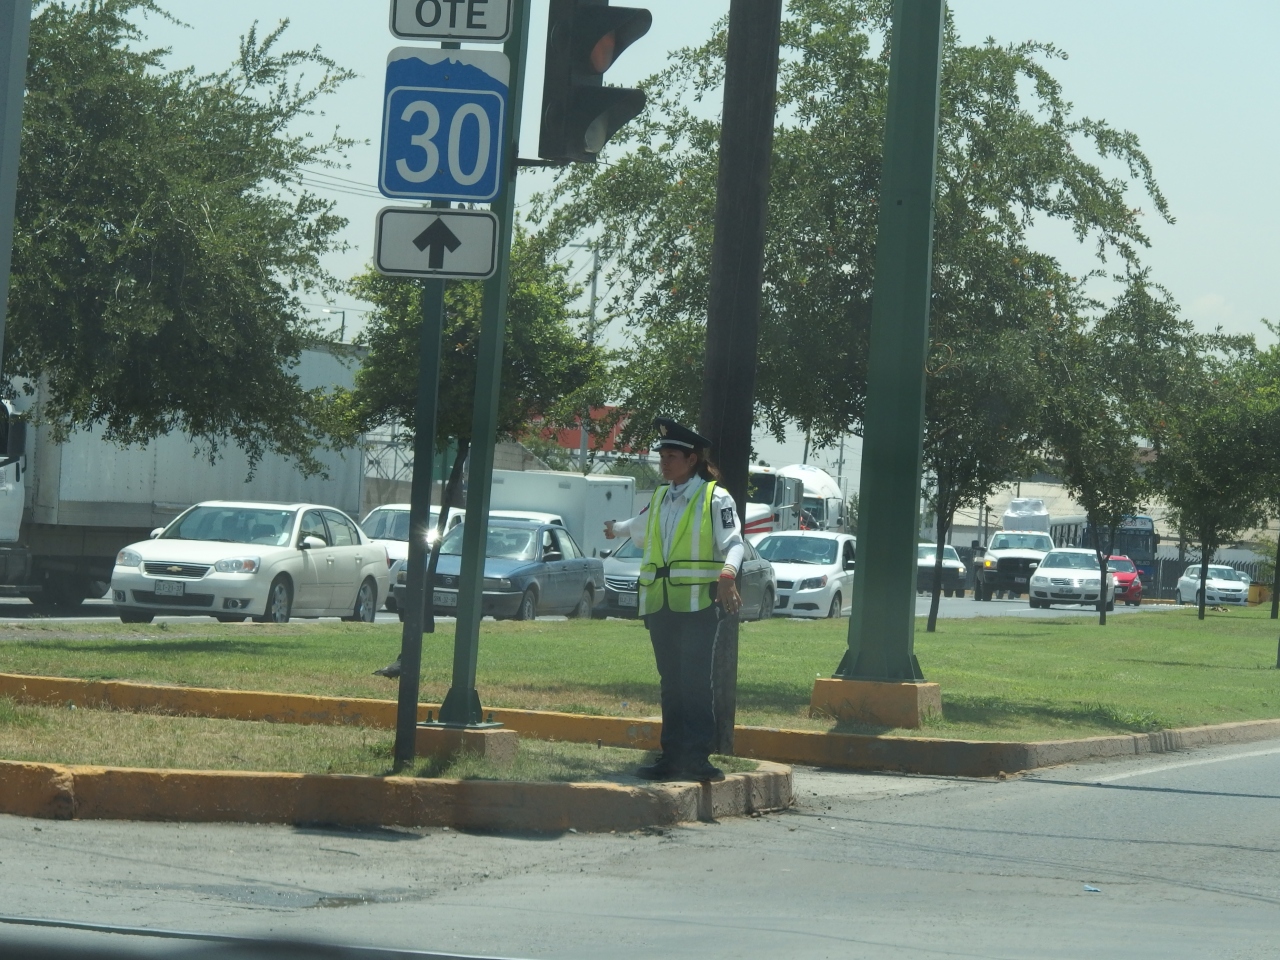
(1128, 582)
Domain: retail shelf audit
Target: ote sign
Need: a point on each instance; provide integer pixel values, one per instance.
(478, 21)
(442, 124)
(462, 244)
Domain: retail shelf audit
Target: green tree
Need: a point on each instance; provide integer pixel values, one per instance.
(547, 368)
(1011, 152)
(163, 239)
(1217, 468)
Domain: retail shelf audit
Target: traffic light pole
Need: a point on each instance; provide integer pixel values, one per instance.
(737, 272)
(15, 32)
(882, 626)
(462, 704)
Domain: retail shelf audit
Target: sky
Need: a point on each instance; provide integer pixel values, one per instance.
(1197, 82)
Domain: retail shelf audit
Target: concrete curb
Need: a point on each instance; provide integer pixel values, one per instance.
(848, 751)
(50, 791)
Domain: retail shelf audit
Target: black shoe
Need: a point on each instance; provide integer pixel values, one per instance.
(660, 769)
(391, 671)
(702, 770)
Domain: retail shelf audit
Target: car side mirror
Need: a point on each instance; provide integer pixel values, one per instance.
(156, 532)
(551, 556)
(850, 564)
(606, 554)
(312, 543)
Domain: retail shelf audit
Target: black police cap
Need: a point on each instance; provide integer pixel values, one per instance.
(672, 434)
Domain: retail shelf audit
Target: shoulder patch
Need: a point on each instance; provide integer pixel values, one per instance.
(726, 517)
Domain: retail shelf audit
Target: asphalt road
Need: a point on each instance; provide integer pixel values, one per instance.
(14, 610)
(1152, 857)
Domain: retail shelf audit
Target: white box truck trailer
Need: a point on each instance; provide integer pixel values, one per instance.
(67, 509)
(583, 502)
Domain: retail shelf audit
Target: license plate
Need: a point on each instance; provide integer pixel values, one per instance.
(1019, 579)
(441, 599)
(170, 588)
(628, 599)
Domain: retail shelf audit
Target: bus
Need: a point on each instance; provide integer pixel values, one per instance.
(1135, 538)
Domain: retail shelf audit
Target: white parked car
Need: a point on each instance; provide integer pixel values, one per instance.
(1222, 585)
(269, 561)
(388, 526)
(1070, 575)
(814, 571)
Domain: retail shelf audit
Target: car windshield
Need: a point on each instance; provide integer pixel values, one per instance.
(390, 524)
(503, 543)
(231, 524)
(1121, 566)
(1222, 573)
(797, 550)
(629, 551)
(1021, 541)
(929, 551)
(1070, 561)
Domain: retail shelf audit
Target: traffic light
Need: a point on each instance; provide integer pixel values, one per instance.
(579, 113)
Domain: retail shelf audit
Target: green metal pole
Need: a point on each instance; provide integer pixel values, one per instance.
(462, 704)
(425, 415)
(882, 626)
(15, 32)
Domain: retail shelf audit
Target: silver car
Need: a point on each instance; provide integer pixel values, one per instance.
(756, 584)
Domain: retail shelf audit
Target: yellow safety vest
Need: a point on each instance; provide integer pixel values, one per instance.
(681, 582)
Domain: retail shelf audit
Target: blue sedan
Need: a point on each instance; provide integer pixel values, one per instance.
(529, 569)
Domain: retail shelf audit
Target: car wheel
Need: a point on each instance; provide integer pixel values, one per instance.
(583, 610)
(137, 617)
(279, 602)
(1178, 596)
(960, 593)
(1033, 603)
(836, 607)
(366, 604)
(766, 604)
(1111, 605)
(528, 605)
(223, 618)
(948, 593)
(1138, 602)
(390, 602)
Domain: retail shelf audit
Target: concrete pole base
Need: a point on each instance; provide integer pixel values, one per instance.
(871, 701)
(442, 742)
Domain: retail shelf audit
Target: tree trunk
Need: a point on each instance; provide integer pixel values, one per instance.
(945, 515)
(1275, 592)
(447, 496)
(1206, 551)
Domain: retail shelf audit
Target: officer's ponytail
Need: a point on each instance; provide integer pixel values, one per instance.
(706, 469)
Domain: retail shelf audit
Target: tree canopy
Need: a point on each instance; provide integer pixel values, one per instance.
(163, 239)
(1010, 153)
(548, 370)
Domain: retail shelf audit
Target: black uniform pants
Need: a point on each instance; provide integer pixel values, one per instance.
(684, 646)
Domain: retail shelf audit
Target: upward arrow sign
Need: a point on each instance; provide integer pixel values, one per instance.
(438, 238)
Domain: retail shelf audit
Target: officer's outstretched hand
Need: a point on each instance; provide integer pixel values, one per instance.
(608, 530)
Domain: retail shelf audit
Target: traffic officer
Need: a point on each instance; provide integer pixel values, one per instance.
(692, 544)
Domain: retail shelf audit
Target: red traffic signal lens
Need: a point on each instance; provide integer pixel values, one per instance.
(604, 51)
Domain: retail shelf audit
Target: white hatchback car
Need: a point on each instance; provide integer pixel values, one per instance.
(269, 561)
(1070, 575)
(1222, 585)
(814, 571)
(388, 526)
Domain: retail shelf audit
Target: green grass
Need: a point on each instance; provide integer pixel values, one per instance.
(1001, 678)
(149, 741)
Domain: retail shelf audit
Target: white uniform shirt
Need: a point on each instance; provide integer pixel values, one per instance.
(724, 515)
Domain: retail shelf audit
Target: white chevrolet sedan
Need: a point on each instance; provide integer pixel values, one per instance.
(232, 560)
(814, 572)
(1222, 585)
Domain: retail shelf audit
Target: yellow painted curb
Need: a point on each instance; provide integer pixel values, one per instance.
(56, 792)
(849, 751)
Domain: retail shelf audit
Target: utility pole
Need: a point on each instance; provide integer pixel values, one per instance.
(882, 625)
(737, 274)
(591, 339)
(15, 32)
